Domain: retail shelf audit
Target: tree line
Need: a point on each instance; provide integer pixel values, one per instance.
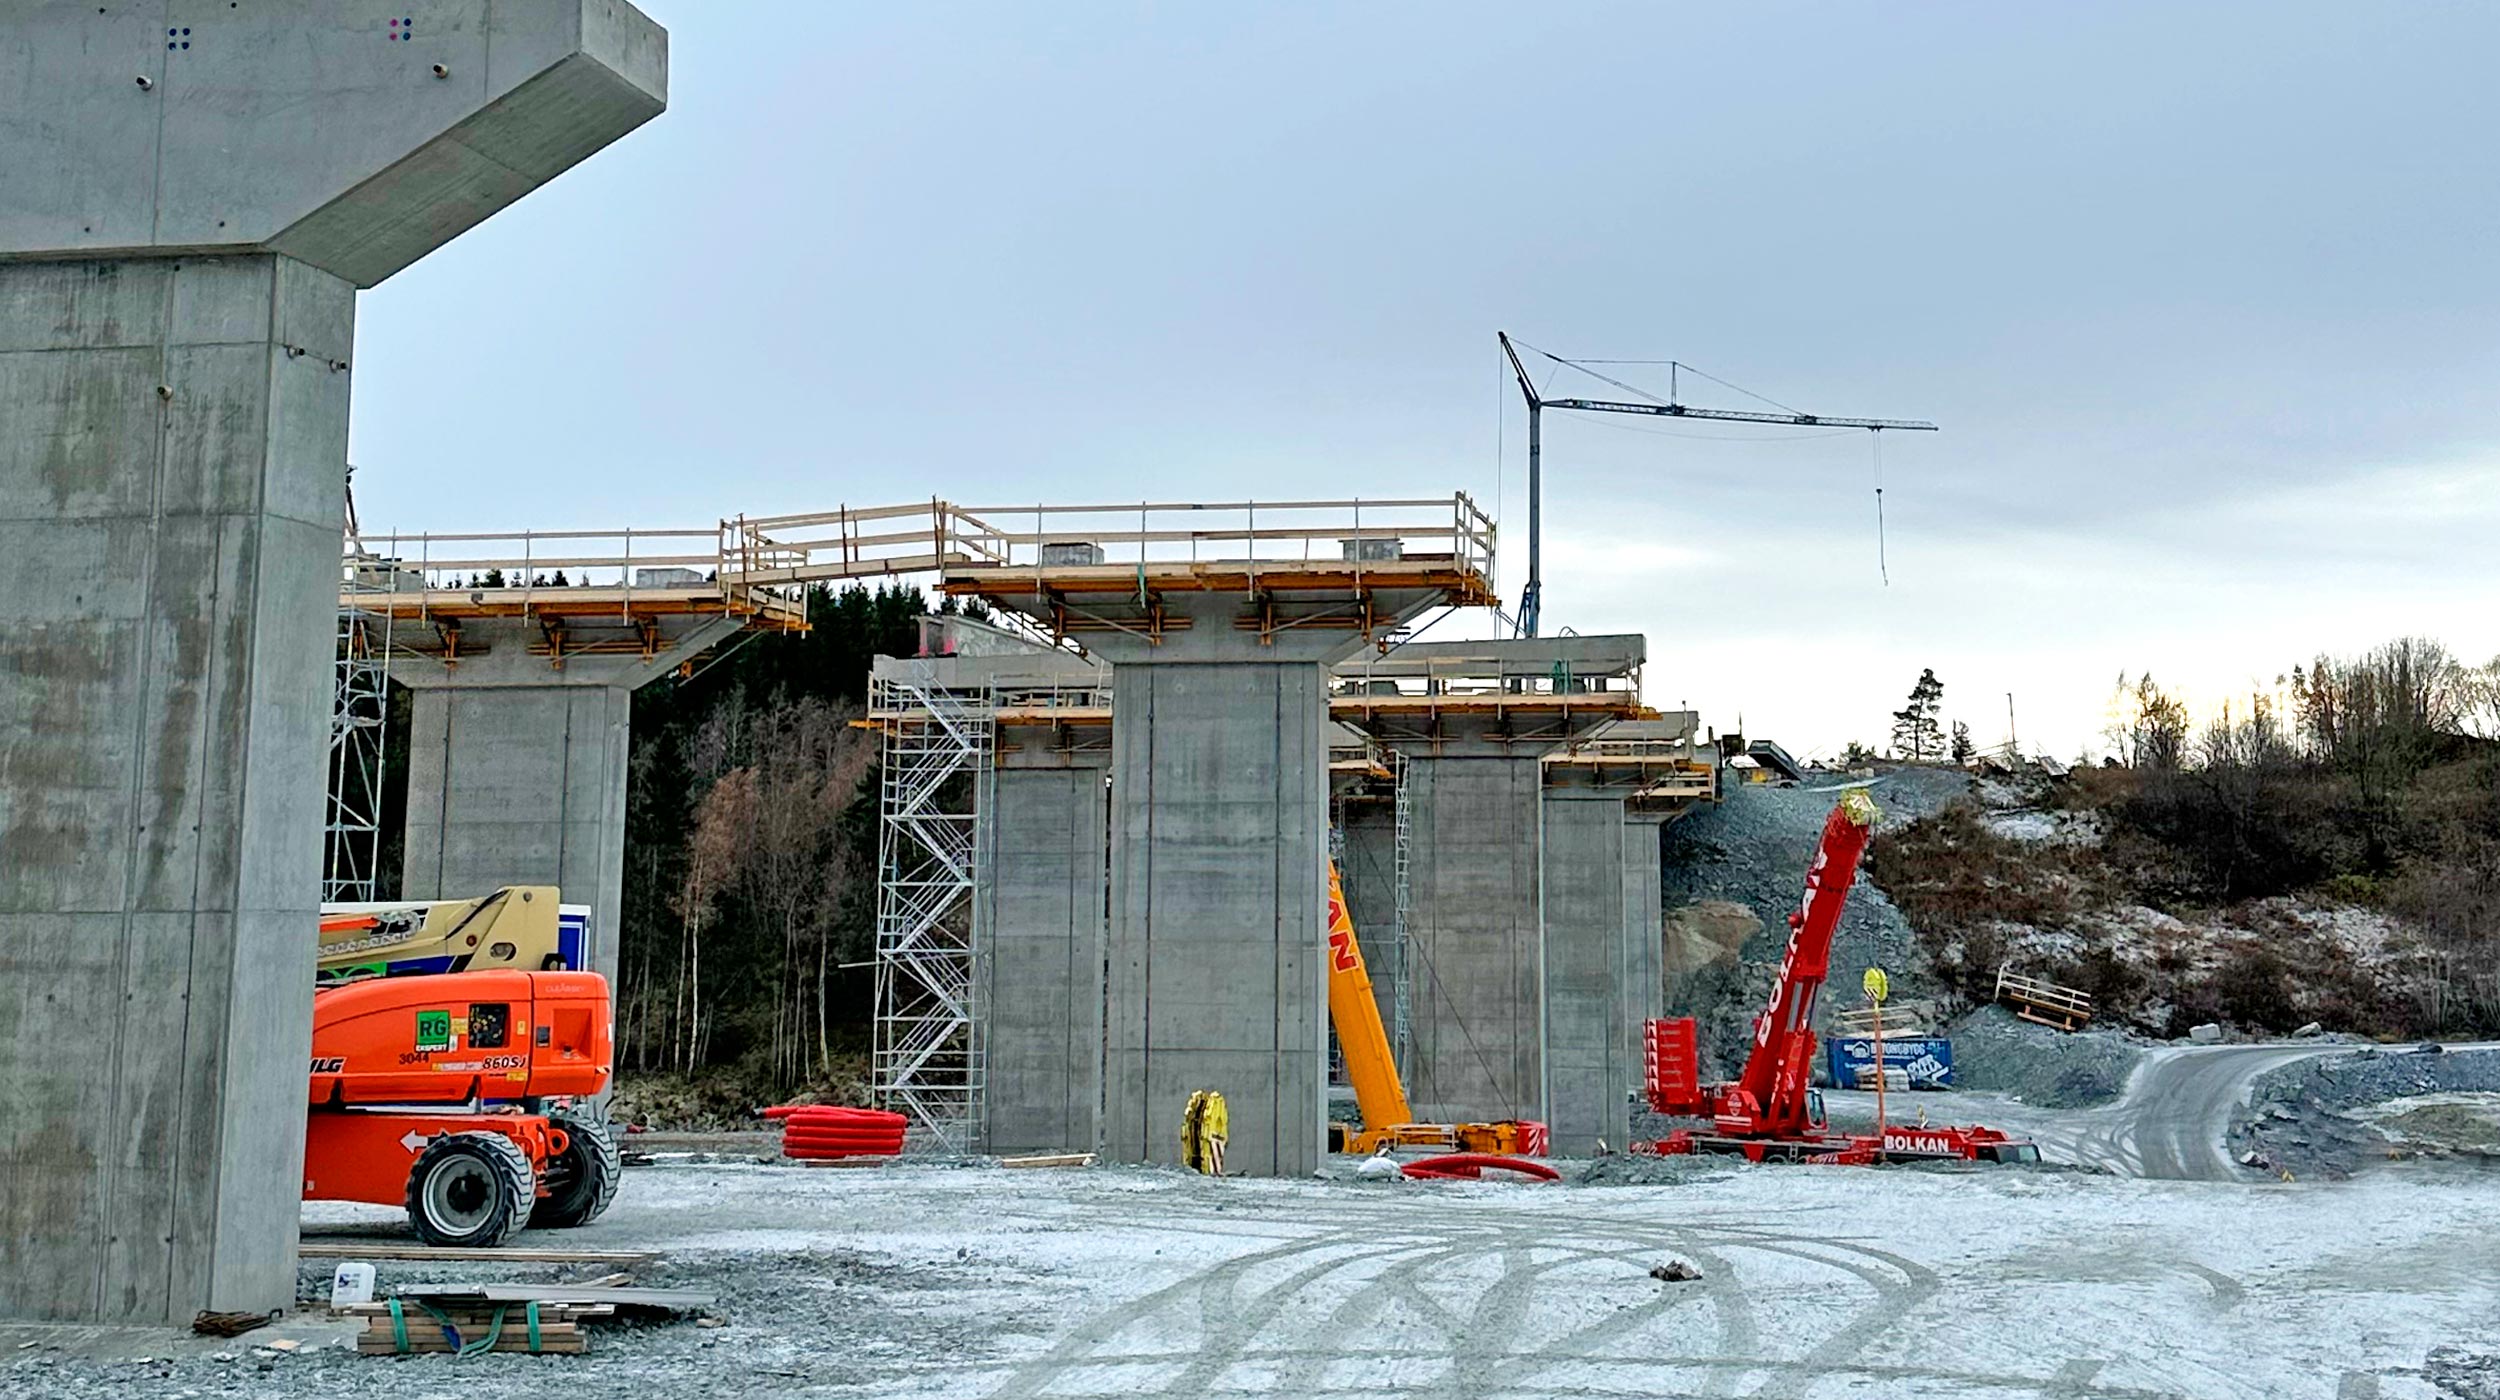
(749, 903)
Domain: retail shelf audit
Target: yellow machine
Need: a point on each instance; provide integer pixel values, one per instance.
(519, 926)
(1388, 1121)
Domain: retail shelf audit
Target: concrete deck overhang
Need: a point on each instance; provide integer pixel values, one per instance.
(1512, 697)
(1224, 610)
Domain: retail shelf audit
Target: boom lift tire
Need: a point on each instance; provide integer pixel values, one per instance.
(470, 1191)
(580, 1180)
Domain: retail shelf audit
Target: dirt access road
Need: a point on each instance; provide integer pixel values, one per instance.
(2171, 1123)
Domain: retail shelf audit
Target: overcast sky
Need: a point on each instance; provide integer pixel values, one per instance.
(2203, 298)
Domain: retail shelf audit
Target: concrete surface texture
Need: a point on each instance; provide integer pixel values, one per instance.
(1219, 829)
(1473, 947)
(336, 133)
(1219, 820)
(517, 770)
(167, 564)
(1604, 976)
(171, 480)
(1038, 920)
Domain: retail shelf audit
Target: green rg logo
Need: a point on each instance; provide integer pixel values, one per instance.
(433, 1030)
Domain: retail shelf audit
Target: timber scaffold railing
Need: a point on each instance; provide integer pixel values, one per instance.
(580, 576)
(1218, 538)
(758, 567)
(1294, 564)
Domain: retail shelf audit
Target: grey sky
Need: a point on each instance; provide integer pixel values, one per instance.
(2202, 296)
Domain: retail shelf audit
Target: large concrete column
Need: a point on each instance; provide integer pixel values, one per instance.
(1475, 722)
(193, 194)
(1473, 938)
(517, 769)
(1219, 822)
(1644, 925)
(1602, 958)
(1038, 920)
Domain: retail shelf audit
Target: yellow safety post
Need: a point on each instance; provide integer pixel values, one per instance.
(1877, 987)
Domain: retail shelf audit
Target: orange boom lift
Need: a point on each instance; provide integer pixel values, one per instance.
(453, 1094)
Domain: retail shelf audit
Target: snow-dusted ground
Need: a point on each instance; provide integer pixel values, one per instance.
(931, 1281)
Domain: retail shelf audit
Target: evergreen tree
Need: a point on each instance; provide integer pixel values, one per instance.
(1917, 735)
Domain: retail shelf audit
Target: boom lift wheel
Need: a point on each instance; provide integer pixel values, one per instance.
(581, 1179)
(470, 1190)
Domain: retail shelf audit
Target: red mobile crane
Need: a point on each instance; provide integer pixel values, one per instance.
(1769, 1113)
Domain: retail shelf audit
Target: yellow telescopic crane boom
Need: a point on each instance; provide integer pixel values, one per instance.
(1369, 1065)
(1388, 1120)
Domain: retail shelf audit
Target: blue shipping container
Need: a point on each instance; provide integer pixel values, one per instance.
(1926, 1059)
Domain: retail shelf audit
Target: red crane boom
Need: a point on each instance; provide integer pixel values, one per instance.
(1770, 1110)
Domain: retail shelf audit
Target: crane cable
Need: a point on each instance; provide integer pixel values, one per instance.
(1882, 566)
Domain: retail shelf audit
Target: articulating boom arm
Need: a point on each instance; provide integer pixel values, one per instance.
(1783, 1039)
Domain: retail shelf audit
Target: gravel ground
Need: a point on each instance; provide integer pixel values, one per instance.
(1752, 850)
(2300, 1117)
(1993, 1049)
(952, 1284)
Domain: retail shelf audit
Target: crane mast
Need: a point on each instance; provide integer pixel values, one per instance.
(1532, 597)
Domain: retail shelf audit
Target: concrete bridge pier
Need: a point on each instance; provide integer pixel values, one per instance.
(1606, 803)
(1602, 959)
(186, 222)
(517, 766)
(1475, 722)
(1038, 918)
(1219, 824)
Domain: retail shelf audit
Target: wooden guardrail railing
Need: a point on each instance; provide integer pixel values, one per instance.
(2035, 999)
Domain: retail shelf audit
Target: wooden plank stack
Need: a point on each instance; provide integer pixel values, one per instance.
(469, 1321)
(1902, 1019)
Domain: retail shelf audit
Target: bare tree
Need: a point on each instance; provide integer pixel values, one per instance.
(2148, 727)
(714, 854)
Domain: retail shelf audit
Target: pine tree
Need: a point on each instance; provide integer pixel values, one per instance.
(1916, 733)
(1962, 746)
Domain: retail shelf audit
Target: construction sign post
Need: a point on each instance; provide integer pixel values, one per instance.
(1877, 987)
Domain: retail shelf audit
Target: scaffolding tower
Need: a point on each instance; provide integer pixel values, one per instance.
(927, 1057)
(1401, 1009)
(351, 846)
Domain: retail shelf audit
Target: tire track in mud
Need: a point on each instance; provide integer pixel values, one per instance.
(1074, 1352)
(1400, 1284)
(1489, 1350)
(1230, 1334)
(1484, 1347)
(1893, 1302)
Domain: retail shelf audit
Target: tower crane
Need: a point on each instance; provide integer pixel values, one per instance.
(1532, 598)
